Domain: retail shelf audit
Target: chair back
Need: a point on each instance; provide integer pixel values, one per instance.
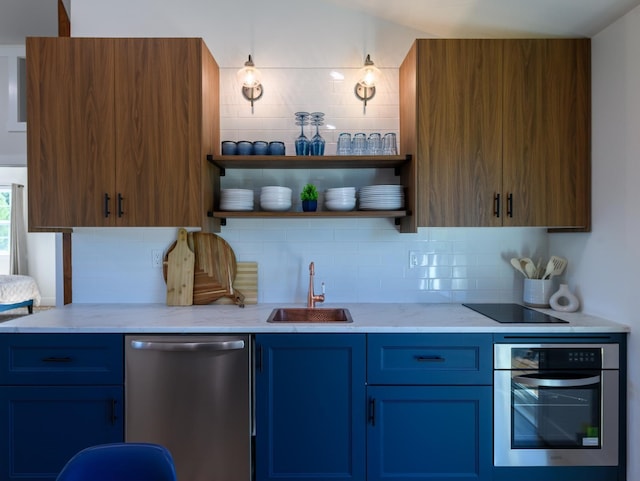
(120, 462)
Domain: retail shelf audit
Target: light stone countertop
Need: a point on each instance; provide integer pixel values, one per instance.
(214, 319)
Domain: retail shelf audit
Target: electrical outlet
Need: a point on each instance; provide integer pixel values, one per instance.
(413, 259)
(156, 258)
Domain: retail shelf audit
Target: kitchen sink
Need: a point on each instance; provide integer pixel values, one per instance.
(310, 314)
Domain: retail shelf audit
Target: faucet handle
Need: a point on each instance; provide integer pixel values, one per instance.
(323, 289)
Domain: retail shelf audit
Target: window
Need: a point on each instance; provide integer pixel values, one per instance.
(17, 101)
(5, 219)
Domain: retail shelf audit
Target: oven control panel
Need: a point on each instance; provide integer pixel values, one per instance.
(559, 356)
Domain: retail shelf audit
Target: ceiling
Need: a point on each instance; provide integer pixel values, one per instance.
(437, 18)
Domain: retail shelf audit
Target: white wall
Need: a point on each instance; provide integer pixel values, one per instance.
(605, 261)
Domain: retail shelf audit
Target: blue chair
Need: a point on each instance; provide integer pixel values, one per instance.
(120, 462)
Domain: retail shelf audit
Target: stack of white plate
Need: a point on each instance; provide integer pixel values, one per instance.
(381, 197)
(275, 198)
(236, 199)
(340, 198)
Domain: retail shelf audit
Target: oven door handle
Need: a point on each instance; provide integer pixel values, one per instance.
(535, 382)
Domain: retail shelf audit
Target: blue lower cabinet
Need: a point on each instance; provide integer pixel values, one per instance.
(41, 427)
(310, 407)
(434, 433)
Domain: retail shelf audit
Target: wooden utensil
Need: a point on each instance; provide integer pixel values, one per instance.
(555, 267)
(180, 265)
(529, 267)
(516, 264)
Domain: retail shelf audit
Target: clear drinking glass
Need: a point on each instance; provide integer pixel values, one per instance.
(389, 144)
(302, 142)
(359, 146)
(344, 144)
(374, 144)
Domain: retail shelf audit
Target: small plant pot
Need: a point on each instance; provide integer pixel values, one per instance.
(309, 205)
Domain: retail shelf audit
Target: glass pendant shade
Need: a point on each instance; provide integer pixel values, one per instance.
(369, 74)
(249, 76)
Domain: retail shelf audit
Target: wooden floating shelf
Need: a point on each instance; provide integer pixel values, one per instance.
(308, 162)
(271, 214)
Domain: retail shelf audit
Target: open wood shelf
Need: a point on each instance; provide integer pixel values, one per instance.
(401, 164)
(324, 213)
(309, 162)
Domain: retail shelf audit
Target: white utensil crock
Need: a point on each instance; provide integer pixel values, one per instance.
(537, 292)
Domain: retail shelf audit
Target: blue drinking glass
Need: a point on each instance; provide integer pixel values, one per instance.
(302, 142)
(317, 142)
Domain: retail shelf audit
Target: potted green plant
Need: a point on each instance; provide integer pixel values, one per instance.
(309, 197)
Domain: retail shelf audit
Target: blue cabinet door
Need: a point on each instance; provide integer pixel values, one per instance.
(310, 407)
(434, 433)
(41, 427)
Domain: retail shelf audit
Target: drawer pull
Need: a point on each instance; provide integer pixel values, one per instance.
(430, 359)
(57, 359)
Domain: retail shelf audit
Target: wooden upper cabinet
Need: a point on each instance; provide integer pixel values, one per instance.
(547, 132)
(70, 148)
(132, 132)
(500, 131)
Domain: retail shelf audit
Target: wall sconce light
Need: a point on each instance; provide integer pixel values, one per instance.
(367, 77)
(250, 78)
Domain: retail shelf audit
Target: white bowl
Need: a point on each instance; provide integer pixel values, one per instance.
(342, 190)
(340, 205)
(275, 189)
(275, 206)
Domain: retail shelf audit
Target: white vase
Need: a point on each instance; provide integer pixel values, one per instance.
(564, 300)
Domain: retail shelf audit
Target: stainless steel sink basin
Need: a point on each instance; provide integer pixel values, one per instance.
(311, 314)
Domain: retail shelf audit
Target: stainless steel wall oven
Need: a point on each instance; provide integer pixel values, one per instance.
(556, 404)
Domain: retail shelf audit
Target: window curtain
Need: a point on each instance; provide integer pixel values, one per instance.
(18, 247)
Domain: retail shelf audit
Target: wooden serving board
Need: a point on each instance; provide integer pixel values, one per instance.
(180, 265)
(214, 271)
(246, 283)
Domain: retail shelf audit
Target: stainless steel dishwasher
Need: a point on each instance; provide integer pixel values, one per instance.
(192, 394)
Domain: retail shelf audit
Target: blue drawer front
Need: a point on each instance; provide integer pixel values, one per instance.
(61, 359)
(429, 359)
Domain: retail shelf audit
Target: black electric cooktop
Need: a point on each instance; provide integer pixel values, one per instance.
(513, 313)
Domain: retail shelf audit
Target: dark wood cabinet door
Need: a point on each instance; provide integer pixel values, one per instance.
(158, 89)
(70, 131)
(459, 131)
(546, 144)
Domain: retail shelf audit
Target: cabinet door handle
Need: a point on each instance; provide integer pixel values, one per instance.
(496, 205)
(259, 357)
(57, 359)
(120, 199)
(372, 411)
(430, 359)
(107, 212)
(114, 416)
(510, 205)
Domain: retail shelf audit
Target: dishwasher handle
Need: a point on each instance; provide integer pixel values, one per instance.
(202, 346)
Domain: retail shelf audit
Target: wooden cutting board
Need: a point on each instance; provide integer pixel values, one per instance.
(214, 270)
(180, 265)
(246, 283)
